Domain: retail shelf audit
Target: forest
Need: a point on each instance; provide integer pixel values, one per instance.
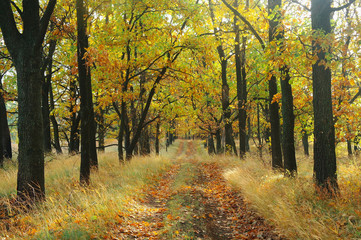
(182, 119)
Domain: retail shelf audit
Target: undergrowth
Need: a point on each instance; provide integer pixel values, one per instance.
(293, 204)
(73, 212)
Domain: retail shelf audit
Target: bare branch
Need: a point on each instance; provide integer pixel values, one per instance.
(344, 6)
(302, 5)
(8, 27)
(358, 94)
(44, 22)
(251, 28)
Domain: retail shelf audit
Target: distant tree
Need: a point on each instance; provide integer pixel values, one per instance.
(5, 137)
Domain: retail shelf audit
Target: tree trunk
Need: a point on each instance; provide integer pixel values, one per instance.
(52, 104)
(288, 138)
(324, 131)
(101, 131)
(1, 134)
(225, 102)
(225, 87)
(124, 116)
(31, 182)
(25, 50)
(241, 75)
(145, 142)
(211, 148)
(249, 134)
(46, 87)
(157, 135)
(273, 106)
(5, 137)
(219, 141)
(74, 134)
(120, 144)
(88, 145)
(305, 142)
(259, 147)
(45, 115)
(349, 147)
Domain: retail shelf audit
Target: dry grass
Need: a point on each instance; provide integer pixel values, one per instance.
(292, 204)
(73, 212)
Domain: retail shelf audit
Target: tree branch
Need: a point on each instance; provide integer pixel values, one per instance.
(342, 7)
(17, 9)
(358, 94)
(302, 5)
(251, 28)
(8, 27)
(44, 22)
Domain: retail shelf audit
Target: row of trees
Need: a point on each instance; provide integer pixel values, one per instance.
(151, 67)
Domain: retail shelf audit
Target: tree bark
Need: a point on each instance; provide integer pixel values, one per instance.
(288, 138)
(259, 147)
(88, 145)
(46, 87)
(45, 115)
(210, 144)
(145, 142)
(74, 134)
(305, 142)
(157, 135)
(324, 132)
(101, 131)
(241, 75)
(5, 137)
(273, 106)
(25, 50)
(219, 141)
(225, 87)
(1, 132)
(349, 147)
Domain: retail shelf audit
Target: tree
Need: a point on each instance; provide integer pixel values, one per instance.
(25, 49)
(273, 105)
(324, 132)
(229, 141)
(5, 137)
(241, 75)
(88, 145)
(278, 42)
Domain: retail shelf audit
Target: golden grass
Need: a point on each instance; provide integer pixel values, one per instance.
(73, 212)
(293, 205)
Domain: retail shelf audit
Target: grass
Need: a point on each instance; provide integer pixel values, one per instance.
(180, 217)
(73, 212)
(294, 206)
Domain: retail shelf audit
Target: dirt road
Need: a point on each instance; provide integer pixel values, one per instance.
(193, 201)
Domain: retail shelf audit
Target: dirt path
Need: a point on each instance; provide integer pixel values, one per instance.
(193, 201)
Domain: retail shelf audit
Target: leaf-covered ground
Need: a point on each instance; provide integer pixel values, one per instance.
(190, 201)
(183, 196)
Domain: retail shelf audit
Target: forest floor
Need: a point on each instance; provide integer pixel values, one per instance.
(193, 201)
(184, 194)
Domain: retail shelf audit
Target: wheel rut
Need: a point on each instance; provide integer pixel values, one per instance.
(192, 200)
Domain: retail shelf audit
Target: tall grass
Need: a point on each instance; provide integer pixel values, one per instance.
(73, 212)
(294, 206)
